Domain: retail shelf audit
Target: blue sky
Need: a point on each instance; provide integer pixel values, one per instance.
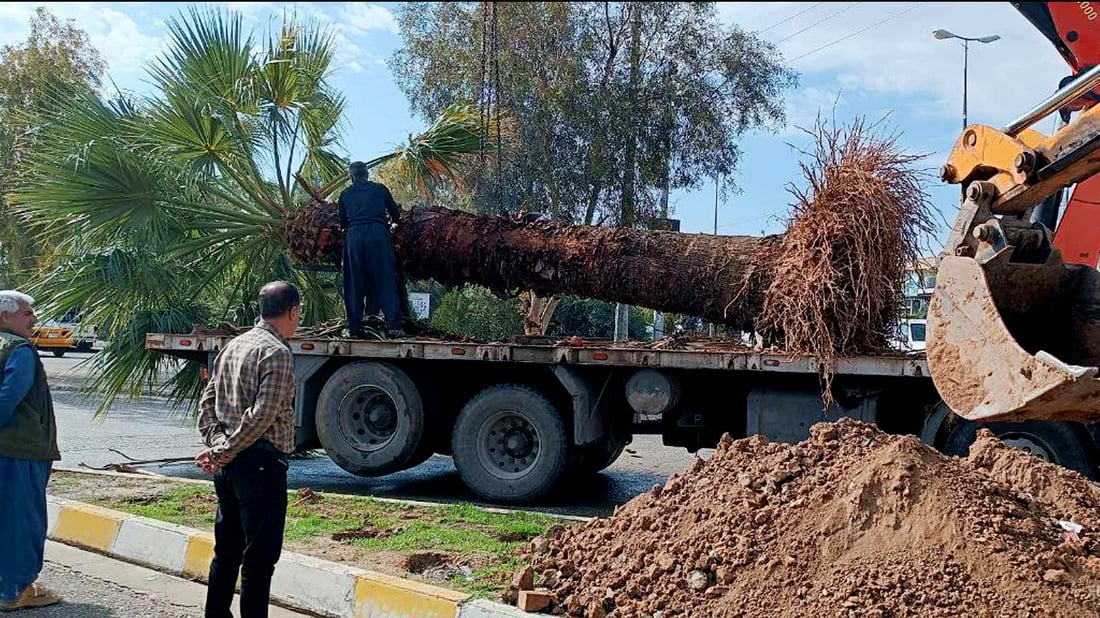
(870, 59)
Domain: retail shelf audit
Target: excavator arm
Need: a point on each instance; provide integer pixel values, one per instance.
(1074, 30)
(1013, 329)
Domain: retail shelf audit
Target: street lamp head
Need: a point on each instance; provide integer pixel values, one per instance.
(989, 39)
(944, 34)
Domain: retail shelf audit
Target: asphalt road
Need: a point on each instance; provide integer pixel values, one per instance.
(148, 429)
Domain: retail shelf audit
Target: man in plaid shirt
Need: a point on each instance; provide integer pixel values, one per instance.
(247, 422)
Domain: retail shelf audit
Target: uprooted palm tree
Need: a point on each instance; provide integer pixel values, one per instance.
(172, 210)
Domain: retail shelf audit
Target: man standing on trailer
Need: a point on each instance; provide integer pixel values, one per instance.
(369, 263)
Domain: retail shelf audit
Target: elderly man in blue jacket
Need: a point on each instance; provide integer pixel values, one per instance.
(28, 448)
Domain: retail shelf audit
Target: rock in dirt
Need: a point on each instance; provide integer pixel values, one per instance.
(859, 523)
(525, 579)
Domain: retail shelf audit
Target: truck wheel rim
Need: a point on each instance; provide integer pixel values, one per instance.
(509, 445)
(368, 418)
(1029, 443)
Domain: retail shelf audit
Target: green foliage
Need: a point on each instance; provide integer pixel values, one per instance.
(613, 101)
(475, 312)
(594, 319)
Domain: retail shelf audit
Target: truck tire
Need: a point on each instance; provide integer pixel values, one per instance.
(1065, 444)
(370, 419)
(509, 444)
(59, 353)
(595, 457)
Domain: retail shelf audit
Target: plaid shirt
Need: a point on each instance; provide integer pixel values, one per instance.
(250, 395)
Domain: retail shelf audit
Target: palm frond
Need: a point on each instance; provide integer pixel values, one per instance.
(440, 153)
(126, 367)
(209, 56)
(174, 208)
(186, 131)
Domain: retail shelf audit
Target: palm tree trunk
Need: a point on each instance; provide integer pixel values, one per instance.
(719, 278)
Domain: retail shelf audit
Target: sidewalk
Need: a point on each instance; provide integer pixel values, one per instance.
(95, 586)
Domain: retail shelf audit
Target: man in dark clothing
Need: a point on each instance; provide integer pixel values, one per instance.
(369, 263)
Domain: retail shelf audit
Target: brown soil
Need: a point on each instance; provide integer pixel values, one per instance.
(93, 487)
(851, 522)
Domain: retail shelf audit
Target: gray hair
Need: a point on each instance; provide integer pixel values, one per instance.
(10, 299)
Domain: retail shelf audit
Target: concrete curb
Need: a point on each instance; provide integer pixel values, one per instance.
(302, 583)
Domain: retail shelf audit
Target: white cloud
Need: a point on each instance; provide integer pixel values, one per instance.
(899, 56)
(361, 17)
(252, 10)
(124, 43)
(351, 22)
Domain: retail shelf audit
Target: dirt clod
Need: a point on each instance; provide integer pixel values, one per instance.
(525, 579)
(863, 524)
(421, 562)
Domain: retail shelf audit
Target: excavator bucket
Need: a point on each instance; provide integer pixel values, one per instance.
(1014, 331)
(1011, 341)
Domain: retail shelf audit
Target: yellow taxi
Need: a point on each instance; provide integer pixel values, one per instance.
(56, 339)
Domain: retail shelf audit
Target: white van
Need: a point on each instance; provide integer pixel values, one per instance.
(84, 335)
(909, 335)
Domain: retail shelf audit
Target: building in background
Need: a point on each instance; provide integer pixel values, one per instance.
(920, 282)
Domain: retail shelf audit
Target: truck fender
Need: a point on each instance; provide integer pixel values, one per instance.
(590, 423)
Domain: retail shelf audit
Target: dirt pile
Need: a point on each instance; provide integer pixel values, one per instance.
(851, 522)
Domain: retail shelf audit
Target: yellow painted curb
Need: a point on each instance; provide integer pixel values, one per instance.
(378, 595)
(88, 526)
(200, 551)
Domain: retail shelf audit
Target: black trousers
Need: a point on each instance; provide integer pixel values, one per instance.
(370, 267)
(248, 531)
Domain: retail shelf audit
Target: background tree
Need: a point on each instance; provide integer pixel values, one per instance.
(594, 319)
(613, 101)
(475, 312)
(54, 55)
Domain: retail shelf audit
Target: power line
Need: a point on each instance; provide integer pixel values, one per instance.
(798, 14)
(819, 22)
(845, 38)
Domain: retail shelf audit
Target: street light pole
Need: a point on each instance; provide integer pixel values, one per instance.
(944, 34)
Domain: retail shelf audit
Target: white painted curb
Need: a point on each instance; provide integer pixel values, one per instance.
(315, 585)
(152, 543)
(488, 609)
